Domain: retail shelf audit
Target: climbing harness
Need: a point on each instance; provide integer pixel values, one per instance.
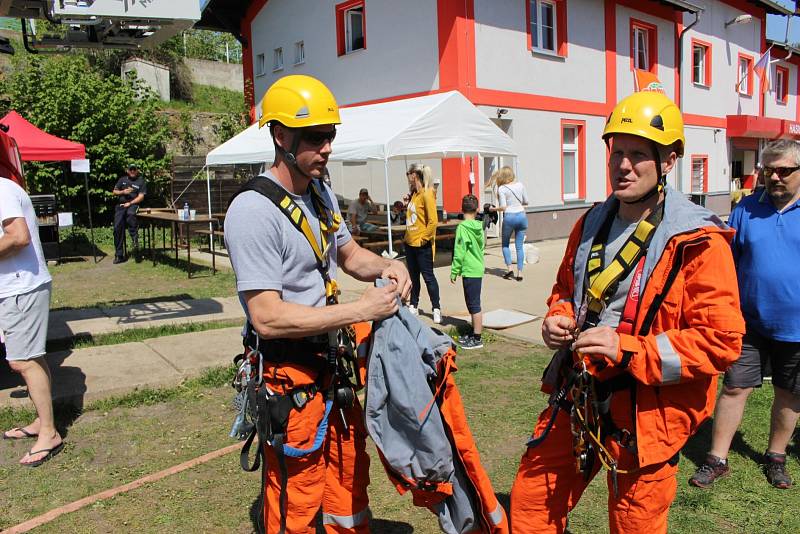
(265, 412)
(586, 399)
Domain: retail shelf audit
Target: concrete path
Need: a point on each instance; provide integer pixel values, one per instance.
(65, 324)
(85, 375)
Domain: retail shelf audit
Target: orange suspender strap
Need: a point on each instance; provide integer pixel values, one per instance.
(628, 317)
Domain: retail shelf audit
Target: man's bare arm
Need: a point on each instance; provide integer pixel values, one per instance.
(272, 317)
(366, 266)
(15, 236)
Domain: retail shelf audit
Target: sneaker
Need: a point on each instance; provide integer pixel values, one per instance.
(413, 310)
(775, 469)
(437, 316)
(472, 343)
(712, 469)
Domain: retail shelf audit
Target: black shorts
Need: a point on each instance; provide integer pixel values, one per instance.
(762, 356)
(472, 293)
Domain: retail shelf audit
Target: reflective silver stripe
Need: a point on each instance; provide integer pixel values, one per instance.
(496, 517)
(346, 521)
(670, 360)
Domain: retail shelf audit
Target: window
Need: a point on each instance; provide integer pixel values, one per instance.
(261, 65)
(299, 53)
(543, 25)
(351, 27)
(701, 63)
(547, 26)
(277, 59)
(744, 81)
(699, 173)
(644, 52)
(781, 84)
(573, 160)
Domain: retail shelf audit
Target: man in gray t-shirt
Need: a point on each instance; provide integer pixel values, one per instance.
(358, 211)
(284, 296)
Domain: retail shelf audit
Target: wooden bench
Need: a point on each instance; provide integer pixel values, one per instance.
(209, 233)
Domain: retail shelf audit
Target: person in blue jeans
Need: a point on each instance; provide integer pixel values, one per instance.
(512, 199)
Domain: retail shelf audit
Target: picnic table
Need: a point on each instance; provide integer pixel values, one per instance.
(154, 218)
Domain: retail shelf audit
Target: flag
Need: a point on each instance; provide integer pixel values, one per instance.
(646, 81)
(762, 69)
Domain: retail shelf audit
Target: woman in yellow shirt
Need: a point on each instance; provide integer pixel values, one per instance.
(420, 238)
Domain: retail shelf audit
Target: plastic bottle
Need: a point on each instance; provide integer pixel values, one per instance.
(444, 215)
(185, 216)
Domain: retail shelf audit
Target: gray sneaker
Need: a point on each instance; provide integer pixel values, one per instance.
(775, 469)
(471, 342)
(710, 470)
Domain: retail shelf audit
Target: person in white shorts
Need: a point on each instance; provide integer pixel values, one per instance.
(25, 287)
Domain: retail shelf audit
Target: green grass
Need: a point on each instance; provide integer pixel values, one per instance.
(81, 283)
(116, 441)
(210, 99)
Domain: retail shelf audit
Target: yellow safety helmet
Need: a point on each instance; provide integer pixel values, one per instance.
(648, 114)
(298, 101)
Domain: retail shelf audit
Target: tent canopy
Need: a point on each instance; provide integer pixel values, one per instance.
(442, 125)
(37, 145)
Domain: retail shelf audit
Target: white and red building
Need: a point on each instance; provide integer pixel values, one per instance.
(548, 72)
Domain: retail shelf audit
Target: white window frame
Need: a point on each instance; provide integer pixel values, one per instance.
(348, 29)
(644, 34)
(744, 76)
(699, 67)
(703, 161)
(536, 8)
(261, 65)
(299, 53)
(780, 97)
(572, 148)
(277, 59)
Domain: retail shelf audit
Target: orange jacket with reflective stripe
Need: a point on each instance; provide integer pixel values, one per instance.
(691, 292)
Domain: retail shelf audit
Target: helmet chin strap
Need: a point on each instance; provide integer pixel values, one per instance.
(289, 155)
(662, 180)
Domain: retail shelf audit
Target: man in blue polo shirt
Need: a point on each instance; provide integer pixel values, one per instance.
(766, 249)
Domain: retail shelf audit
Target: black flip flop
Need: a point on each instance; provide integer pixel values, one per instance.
(509, 275)
(26, 434)
(519, 279)
(50, 453)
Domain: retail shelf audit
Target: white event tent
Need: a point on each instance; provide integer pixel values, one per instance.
(443, 125)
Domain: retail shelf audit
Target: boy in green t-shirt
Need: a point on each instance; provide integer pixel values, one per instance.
(468, 263)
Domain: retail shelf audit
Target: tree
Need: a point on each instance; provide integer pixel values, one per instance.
(201, 44)
(116, 120)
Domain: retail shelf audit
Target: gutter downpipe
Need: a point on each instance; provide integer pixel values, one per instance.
(679, 89)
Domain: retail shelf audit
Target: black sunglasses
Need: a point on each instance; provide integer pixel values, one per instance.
(317, 138)
(782, 172)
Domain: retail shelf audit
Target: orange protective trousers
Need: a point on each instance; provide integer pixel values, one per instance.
(548, 486)
(335, 477)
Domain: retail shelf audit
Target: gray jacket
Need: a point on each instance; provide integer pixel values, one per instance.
(404, 420)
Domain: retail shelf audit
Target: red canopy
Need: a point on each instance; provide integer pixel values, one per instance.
(37, 145)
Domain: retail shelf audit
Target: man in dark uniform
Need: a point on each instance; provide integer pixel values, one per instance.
(131, 190)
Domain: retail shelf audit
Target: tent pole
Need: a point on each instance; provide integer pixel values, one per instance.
(210, 224)
(89, 206)
(388, 211)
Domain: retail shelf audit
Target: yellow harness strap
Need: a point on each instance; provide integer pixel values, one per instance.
(329, 223)
(601, 281)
